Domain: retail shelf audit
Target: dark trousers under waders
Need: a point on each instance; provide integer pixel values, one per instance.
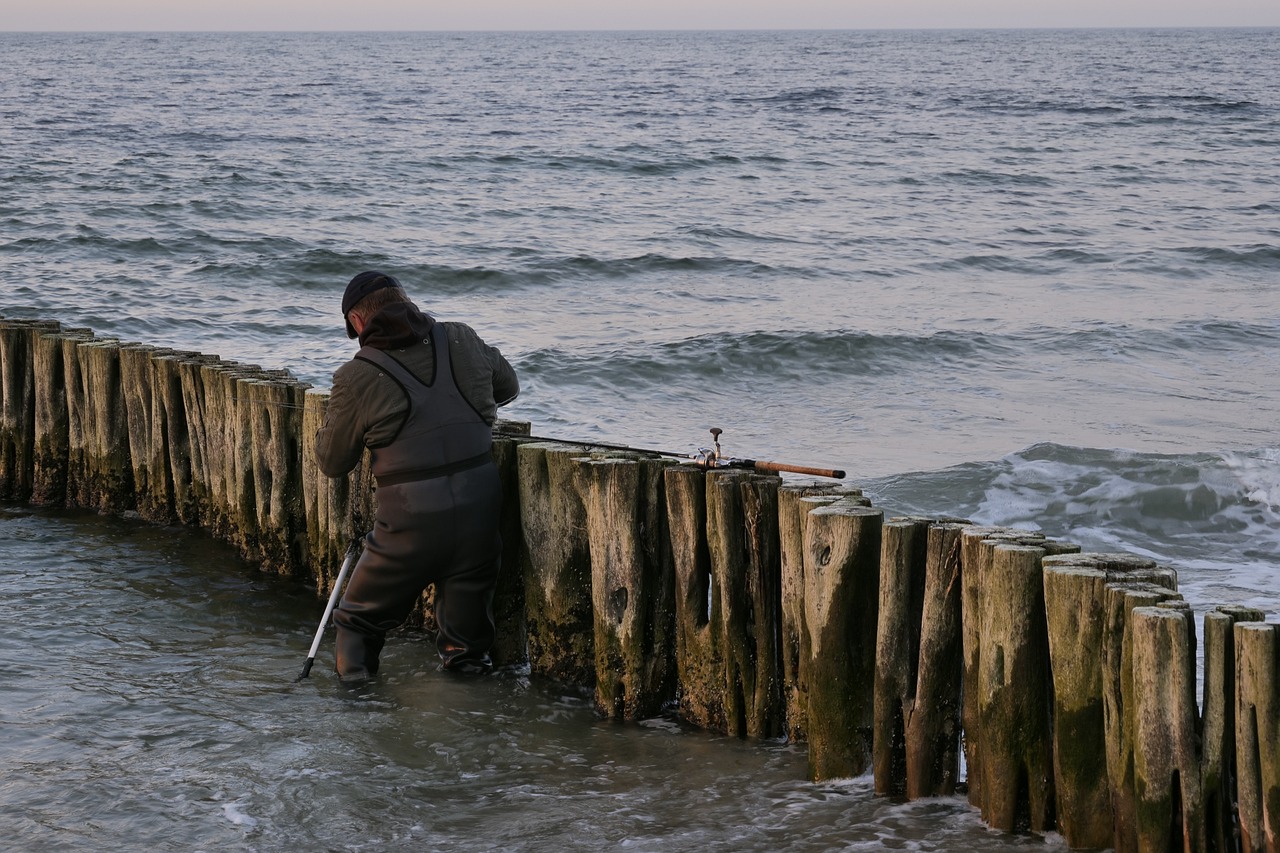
(443, 530)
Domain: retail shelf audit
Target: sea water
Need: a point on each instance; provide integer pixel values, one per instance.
(1025, 277)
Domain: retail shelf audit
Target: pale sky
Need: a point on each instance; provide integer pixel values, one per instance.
(162, 15)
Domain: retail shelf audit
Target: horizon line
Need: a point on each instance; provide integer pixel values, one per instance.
(656, 29)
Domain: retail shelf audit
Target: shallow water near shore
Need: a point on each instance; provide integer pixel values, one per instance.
(150, 703)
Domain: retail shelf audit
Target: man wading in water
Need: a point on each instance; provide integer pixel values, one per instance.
(422, 395)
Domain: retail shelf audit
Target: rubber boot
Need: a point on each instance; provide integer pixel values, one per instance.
(461, 660)
(356, 655)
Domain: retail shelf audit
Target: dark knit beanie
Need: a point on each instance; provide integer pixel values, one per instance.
(360, 287)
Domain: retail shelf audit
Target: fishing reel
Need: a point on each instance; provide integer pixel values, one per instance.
(707, 457)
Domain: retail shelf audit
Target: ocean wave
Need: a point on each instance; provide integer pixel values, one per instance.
(1214, 516)
(780, 356)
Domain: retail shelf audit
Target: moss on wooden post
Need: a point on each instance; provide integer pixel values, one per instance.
(841, 574)
(557, 576)
(631, 585)
(326, 540)
(1258, 735)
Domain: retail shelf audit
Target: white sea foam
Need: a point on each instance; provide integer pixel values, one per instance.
(234, 812)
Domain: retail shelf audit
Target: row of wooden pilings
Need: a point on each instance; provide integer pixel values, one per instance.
(1059, 689)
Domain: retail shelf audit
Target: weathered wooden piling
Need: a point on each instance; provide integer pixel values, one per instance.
(52, 427)
(272, 408)
(1075, 588)
(202, 432)
(932, 729)
(632, 585)
(17, 405)
(841, 592)
(148, 450)
(336, 510)
(176, 433)
(1118, 701)
(1170, 809)
(1258, 735)
(1218, 725)
(795, 500)
(1014, 692)
(902, 567)
(510, 640)
(699, 658)
(918, 660)
(105, 481)
(978, 610)
(742, 535)
(557, 577)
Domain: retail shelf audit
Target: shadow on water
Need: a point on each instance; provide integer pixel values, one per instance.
(150, 701)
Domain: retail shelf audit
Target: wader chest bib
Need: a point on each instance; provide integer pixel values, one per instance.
(442, 434)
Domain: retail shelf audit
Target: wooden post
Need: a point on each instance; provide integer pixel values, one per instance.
(17, 405)
(1258, 735)
(933, 724)
(1170, 809)
(107, 474)
(510, 641)
(553, 521)
(148, 453)
(336, 510)
(171, 426)
(271, 418)
(1118, 702)
(742, 536)
(794, 503)
(631, 585)
(841, 580)
(1014, 693)
(902, 569)
(218, 381)
(1218, 725)
(201, 434)
(326, 540)
(1075, 601)
(977, 546)
(52, 428)
(699, 660)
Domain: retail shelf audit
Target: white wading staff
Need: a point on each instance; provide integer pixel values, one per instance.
(352, 550)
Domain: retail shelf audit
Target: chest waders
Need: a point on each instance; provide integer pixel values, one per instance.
(439, 500)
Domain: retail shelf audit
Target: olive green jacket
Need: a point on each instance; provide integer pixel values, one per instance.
(367, 407)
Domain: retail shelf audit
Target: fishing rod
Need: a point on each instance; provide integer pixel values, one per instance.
(706, 457)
